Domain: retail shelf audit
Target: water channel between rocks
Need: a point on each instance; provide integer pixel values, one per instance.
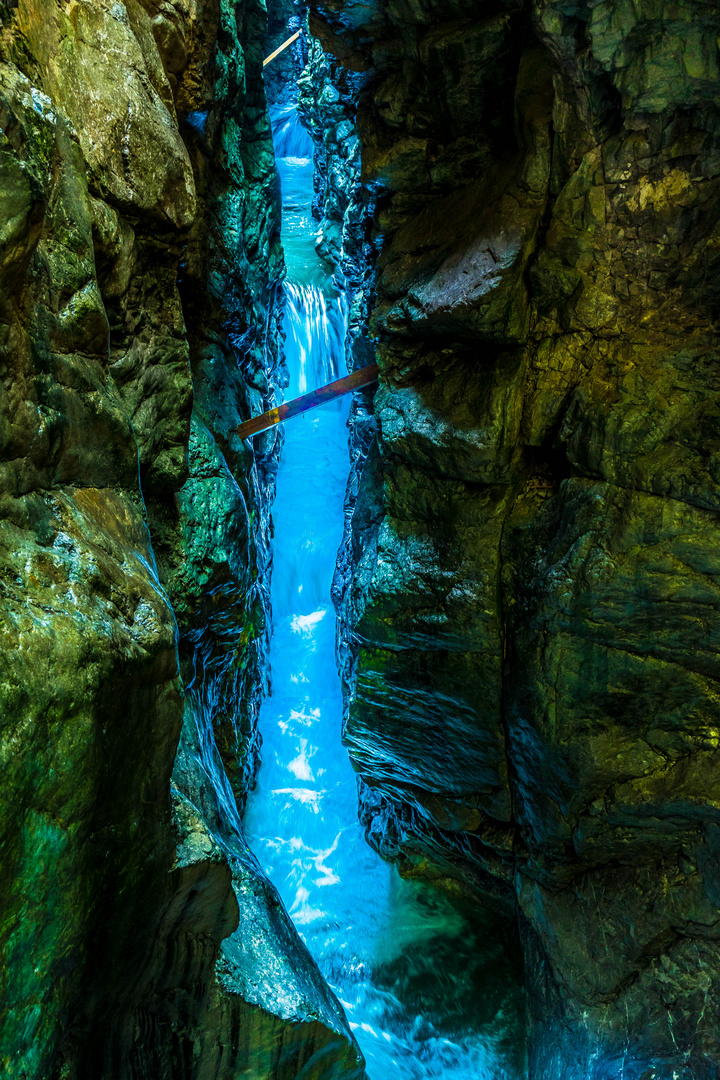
(426, 986)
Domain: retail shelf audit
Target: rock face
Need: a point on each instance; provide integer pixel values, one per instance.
(285, 18)
(138, 253)
(530, 598)
(529, 589)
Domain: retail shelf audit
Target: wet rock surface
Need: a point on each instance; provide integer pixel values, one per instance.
(139, 224)
(285, 18)
(529, 588)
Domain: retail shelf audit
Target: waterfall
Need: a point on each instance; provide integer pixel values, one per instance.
(315, 328)
(412, 971)
(291, 139)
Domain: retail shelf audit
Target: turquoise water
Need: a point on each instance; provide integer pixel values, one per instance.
(426, 985)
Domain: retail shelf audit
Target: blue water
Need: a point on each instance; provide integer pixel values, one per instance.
(425, 984)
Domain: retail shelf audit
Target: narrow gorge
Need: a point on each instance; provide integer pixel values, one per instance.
(382, 745)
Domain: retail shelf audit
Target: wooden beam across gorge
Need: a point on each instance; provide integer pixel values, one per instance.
(282, 48)
(356, 381)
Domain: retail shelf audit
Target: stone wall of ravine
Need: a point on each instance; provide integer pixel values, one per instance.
(530, 605)
(139, 224)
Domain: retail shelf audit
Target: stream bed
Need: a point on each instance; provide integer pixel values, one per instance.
(424, 980)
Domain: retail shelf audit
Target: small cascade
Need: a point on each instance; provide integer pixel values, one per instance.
(423, 983)
(315, 328)
(292, 141)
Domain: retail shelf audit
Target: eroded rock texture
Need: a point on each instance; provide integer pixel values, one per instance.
(285, 18)
(138, 250)
(531, 600)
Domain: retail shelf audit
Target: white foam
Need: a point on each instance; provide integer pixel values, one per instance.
(305, 624)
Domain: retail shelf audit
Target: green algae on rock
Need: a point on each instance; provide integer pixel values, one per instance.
(539, 496)
(138, 250)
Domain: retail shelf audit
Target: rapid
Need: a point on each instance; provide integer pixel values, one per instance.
(424, 980)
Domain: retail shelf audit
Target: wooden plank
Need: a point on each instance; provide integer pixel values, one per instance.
(364, 377)
(282, 48)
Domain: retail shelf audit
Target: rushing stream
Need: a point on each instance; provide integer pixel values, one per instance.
(427, 988)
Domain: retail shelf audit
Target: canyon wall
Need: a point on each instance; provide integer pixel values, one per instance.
(139, 251)
(285, 18)
(529, 591)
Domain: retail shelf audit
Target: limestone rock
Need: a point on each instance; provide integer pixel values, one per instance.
(127, 133)
(88, 657)
(138, 248)
(538, 496)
